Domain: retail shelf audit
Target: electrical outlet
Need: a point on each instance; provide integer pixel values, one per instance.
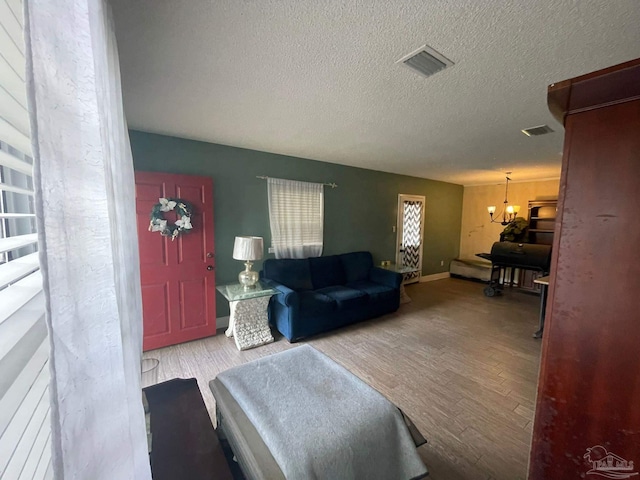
(393, 229)
(442, 263)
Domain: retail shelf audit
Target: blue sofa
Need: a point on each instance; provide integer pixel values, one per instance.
(323, 293)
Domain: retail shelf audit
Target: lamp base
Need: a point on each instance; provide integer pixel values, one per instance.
(248, 278)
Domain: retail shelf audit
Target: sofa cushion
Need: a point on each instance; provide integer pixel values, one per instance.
(326, 271)
(356, 266)
(375, 290)
(290, 272)
(345, 297)
(316, 303)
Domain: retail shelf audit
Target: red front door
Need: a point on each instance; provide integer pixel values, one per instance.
(178, 277)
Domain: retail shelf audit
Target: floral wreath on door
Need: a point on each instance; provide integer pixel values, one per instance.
(160, 224)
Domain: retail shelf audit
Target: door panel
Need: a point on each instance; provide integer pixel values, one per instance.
(193, 311)
(155, 299)
(178, 292)
(154, 254)
(191, 251)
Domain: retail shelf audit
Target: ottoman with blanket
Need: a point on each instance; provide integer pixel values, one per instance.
(322, 293)
(299, 415)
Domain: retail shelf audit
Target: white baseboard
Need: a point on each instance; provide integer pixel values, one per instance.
(435, 276)
(222, 322)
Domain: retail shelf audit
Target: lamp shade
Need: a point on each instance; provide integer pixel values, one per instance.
(248, 248)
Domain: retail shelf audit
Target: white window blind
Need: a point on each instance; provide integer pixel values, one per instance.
(296, 217)
(24, 351)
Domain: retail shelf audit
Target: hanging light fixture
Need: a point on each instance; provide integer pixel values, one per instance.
(509, 212)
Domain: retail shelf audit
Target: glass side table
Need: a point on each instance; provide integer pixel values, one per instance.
(404, 298)
(248, 322)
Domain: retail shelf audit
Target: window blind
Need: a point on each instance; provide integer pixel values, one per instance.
(296, 217)
(24, 351)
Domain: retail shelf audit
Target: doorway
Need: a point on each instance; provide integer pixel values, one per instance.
(410, 231)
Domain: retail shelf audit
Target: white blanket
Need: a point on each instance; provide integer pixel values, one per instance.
(320, 421)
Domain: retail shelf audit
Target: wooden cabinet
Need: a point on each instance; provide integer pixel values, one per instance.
(542, 220)
(588, 401)
(526, 278)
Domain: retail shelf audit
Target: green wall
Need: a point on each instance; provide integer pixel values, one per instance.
(359, 214)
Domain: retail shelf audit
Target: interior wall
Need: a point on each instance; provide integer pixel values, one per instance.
(359, 215)
(477, 232)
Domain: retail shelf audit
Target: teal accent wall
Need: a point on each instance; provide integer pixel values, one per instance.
(358, 215)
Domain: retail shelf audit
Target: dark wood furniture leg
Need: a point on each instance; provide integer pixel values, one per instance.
(543, 307)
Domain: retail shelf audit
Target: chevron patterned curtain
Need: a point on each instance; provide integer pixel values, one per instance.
(411, 242)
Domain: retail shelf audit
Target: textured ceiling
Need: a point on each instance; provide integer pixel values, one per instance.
(317, 78)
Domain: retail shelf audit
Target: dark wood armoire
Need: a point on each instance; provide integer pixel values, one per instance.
(587, 420)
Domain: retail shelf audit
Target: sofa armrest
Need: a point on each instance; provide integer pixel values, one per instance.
(385, 277)
(285, 296)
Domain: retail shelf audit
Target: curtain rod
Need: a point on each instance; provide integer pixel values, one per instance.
(332, 185)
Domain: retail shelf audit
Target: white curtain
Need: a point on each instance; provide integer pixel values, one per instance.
(296, 216)
(85, 209)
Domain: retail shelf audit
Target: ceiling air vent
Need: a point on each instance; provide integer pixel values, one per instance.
(425, 61)
(535, 131)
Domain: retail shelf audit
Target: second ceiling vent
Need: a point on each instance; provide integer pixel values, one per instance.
(425, 61)
(535, 131)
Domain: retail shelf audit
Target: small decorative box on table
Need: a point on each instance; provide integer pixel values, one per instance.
(248, 322)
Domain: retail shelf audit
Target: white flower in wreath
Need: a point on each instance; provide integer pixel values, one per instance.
(166, 205)
(166, 228)
(158, 225)
(184, 223)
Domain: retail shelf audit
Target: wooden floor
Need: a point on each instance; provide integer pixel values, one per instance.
(464, 368)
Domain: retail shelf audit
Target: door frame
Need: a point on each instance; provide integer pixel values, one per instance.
(399, 221)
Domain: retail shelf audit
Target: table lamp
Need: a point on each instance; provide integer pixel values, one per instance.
(248, 249)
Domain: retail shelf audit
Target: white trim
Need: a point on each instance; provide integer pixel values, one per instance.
(222, 322)
(434, 276)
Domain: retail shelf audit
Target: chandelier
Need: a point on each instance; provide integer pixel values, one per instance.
(509, 212)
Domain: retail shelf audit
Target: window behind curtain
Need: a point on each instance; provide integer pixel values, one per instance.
(24, 350)
(296, 216)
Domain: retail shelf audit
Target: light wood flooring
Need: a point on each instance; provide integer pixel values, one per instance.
(464, 368)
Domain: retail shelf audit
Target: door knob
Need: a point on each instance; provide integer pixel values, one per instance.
(209, 267)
